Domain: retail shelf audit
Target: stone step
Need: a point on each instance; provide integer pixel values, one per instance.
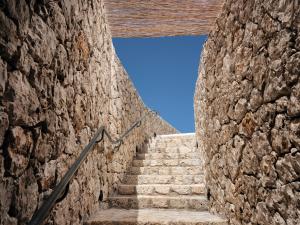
(154, 217)
(173, 142)
(167, 170)
(170, 150)
(167, 162)
(163, 179)
(177, 138)
(192, 155)
(189, 144)
(161, 189)
(197, 202)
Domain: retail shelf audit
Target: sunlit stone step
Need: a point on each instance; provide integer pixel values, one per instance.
(163, 179)
(167, 162)
(171, 150)
(154, 217)
(166, 155)
(176, 140)
(161, 189)
(167, 170)
(196, 202)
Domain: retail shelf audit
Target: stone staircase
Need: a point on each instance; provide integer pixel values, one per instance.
(163, 186)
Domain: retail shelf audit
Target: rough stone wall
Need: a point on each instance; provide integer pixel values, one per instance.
(247, 109)
(60, 80)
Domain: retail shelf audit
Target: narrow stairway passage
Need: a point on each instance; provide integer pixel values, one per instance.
(165, 185)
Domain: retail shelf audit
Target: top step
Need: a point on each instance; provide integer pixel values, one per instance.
(173, 136)
(173, 140)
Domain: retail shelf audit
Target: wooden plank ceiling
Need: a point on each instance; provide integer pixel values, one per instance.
(155, 18)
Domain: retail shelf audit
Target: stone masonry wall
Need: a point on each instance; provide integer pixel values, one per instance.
(60, 80)
(247, 109)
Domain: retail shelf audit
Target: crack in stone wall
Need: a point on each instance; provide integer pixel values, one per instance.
(247, 109)
(60, 80)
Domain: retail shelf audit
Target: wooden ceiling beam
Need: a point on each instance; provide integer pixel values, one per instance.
(156, 18)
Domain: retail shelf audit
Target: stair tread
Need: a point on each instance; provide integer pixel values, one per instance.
(155, 175)
(199, 166)
(178, 135)
(164, 185)
(156, 155)
(170, 149)
(175, 167)
(163, 179)
(198, 197)
(164, 159)
(154, 216)
(165, 189)
(161, 176)
(192, 202)
(167, 162)
(165, 170)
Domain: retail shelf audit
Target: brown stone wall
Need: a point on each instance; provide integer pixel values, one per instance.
(60, 80)
(247, 108)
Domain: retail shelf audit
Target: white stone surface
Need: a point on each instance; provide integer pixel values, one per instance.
(154, 217)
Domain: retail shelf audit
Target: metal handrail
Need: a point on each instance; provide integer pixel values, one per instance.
(42, 213)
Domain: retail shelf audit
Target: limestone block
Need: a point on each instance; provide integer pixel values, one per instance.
(44, 148)
(60, 64)
(233, 156)
(41, 40)
(6, 197)
(261, 144)
(8, 37)
(162, 190)
(278, 44)
(293, 134)
(26, 63)
(292, 68)
(27, 196)
(294, 104)
(269, 175)
(240, 110)
(256, 99)
(280, 141)
(19, 150)
(248, 125)
(3, 76)
(276, 88)
(22, 100)
(47, 179)
(57, 21)
(4, 125)
(288, 168)
(19, 11)
(281, 104)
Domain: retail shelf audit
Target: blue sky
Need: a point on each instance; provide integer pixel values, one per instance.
(164, 71)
